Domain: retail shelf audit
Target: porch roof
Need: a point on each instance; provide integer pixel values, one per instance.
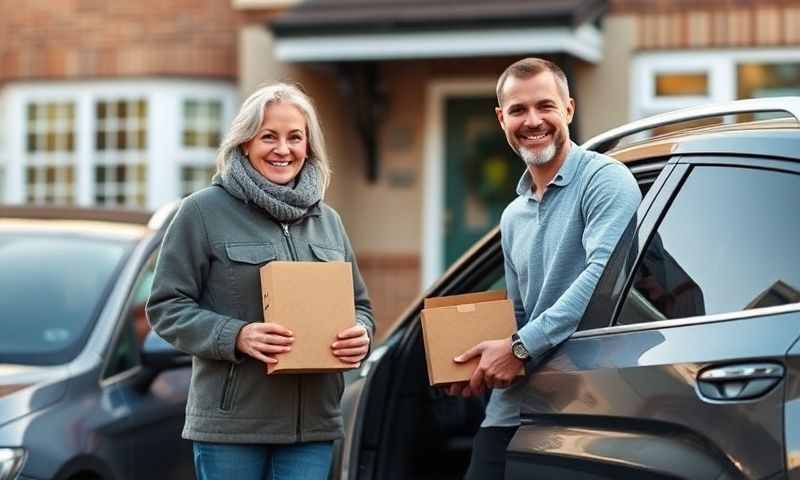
(353, 30)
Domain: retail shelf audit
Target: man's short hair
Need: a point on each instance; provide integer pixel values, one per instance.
(530, 67)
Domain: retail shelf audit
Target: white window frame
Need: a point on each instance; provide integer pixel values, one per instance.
(433, 209)
(199, 156)
(164, 151)
(720, 66)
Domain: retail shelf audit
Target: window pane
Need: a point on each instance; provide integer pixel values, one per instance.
(195, 178)
(47, 307)
(676, 84)
(120, 171)
(126, 353)
(202, 121)
(768, 80)
(49, 160)
(727, 243)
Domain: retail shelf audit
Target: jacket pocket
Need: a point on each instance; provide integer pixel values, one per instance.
(226, 402)
(326, 254)
(250, 253)
(244, 280)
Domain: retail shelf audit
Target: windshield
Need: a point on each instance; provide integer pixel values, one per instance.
(51, 289)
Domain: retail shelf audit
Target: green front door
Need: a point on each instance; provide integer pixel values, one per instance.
(481, 172)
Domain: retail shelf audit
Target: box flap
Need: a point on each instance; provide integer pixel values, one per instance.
(449, 301)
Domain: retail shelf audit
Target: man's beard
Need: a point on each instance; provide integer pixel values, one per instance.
(535, 158)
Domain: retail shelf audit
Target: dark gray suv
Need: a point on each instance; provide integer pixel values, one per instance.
(86, 391)
(686, 363)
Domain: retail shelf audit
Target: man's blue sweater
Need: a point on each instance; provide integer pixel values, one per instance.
(555, 250)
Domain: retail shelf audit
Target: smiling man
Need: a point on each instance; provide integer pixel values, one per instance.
(557, 236)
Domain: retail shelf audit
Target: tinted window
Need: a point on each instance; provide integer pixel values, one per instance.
(125, 354)
(51, 290)
(728, 242)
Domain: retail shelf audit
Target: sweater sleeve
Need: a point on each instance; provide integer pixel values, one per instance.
(608, 204)
(181, 272)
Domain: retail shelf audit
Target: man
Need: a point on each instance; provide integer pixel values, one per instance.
(557, 236)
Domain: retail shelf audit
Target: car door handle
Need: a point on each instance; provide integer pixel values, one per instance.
(739, 382)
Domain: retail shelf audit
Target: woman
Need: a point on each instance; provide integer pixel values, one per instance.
(265, 204)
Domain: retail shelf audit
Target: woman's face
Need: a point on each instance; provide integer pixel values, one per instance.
(279, 149)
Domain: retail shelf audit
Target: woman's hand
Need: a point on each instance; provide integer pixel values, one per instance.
(351, 345)
(264, 340)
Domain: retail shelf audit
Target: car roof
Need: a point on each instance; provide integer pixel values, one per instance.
(772, 138)
(123, 225)
(116, 231)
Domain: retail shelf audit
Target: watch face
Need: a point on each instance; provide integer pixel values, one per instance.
(518, 349)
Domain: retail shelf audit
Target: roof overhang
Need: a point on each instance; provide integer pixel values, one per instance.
(584, 42)
(375, 30)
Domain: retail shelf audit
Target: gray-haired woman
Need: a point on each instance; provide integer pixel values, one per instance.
(265, 204)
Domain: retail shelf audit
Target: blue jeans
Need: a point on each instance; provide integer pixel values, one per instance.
(228, 461)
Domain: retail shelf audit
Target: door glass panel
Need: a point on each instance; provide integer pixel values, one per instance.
(727, 243)
(125, 354)
(481, 173)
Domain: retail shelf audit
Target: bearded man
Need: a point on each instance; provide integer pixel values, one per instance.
(557, 236)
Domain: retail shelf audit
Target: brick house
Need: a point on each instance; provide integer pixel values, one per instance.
(124, 105)
(406, 90)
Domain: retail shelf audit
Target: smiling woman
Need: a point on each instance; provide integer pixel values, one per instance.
(279, 149)
(265, 205)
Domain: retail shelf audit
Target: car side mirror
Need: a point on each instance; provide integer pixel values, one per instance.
(159, 355)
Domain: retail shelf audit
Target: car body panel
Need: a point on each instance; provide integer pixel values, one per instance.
(580, 451)
(26, 389)
(646, 380)
(792, 412)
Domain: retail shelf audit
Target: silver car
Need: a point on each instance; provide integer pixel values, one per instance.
(86, 391)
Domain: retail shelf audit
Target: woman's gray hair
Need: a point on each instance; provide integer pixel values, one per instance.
(247, 122)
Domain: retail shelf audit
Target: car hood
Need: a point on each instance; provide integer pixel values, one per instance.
(25, 389)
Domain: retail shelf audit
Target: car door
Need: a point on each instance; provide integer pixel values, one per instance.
(679, 371)
(148, 414)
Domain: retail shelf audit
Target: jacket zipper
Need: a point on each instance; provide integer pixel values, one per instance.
(227, 387)
(293, 254)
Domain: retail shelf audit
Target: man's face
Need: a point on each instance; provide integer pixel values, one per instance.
(535, 117)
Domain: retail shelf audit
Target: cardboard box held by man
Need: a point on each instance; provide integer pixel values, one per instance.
(454, 324)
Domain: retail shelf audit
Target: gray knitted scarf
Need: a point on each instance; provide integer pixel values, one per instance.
(286, 203)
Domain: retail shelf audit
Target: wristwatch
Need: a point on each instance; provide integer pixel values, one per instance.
(518, 348)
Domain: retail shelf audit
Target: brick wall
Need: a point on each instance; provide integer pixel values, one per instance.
(393, 282)
(46, 39)
(713, 23)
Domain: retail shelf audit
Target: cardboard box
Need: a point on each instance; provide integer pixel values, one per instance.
(452, 325)
(315, 301)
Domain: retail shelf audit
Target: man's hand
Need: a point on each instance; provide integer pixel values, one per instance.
(351, 345)
(497, 367)
(263, 340)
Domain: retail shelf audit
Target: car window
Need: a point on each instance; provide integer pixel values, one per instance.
(728, 242)
(53, 287)
(125, 353)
